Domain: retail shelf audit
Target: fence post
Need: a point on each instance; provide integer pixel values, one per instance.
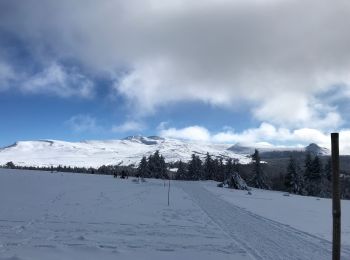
(336, 196)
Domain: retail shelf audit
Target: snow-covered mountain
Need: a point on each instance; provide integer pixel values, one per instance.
(96, 153)
(317, 150)
(122, 152)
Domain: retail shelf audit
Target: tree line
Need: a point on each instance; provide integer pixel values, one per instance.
(312, 179)
(216, 169)
(103, 170)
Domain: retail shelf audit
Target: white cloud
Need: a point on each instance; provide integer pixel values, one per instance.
(278, 54)
(82, 123)
(57, 80)
(128, 126)
(266, 135)
(193, 133)
(6, 75)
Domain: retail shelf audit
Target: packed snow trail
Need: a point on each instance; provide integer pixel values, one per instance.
(260, 237)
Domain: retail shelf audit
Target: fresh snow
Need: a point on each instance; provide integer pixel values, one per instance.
(111, 152)
(77, 216)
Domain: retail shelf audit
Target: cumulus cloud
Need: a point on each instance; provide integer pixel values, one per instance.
(266, 135)
(59, 81)
(6, 75)
(128, 126)
(82, 123)
(277, 54)
(193, 133)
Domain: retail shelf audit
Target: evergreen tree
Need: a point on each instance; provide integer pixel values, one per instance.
(235, 165)
(316, 169)
(313, 176)
(153, 164)
(10, 165)
(293, 179)
(328, 169)
(326, 178)
(157, 166)
(142, 169)
(162, 168)
(195, 169)
(181, 173)
(208, 167)
(258, 180)
(229, 168)
(221, 171)
(215, 175)
(307, 166)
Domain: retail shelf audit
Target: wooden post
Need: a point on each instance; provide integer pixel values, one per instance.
(169, 192)
(336, 197)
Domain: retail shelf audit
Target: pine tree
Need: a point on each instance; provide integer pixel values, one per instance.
(151, 166)
(154, 165)
(181, 173)
(162, 168)
(326, 178)
(229, 168)
(313, 175)
(208, 167)
(328, 169)
(293, 179)
(258, 180)
(142, 169)
(221, 171)
(10, 165)
(195, 169)
(316, 169)
(307, 166)
(215, 175)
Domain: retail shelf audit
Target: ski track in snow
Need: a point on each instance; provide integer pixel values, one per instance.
(261, 238)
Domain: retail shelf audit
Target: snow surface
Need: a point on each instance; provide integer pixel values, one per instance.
(76, 216)
(310, 214)
(111, 152)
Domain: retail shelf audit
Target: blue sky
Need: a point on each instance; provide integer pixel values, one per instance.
(43, 116)
(213, 71)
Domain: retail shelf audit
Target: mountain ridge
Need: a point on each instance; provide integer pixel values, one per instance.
(126, 151)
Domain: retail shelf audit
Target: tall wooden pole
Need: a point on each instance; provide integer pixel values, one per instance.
(336, 196)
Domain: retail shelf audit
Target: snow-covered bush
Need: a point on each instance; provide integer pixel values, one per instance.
(234, 181)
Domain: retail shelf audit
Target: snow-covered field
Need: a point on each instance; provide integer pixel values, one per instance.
(73, 216)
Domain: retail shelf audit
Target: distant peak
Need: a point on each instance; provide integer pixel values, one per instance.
(133, 137)
(315, 149)
(313, 145)
(155, 137)
(151, 140)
